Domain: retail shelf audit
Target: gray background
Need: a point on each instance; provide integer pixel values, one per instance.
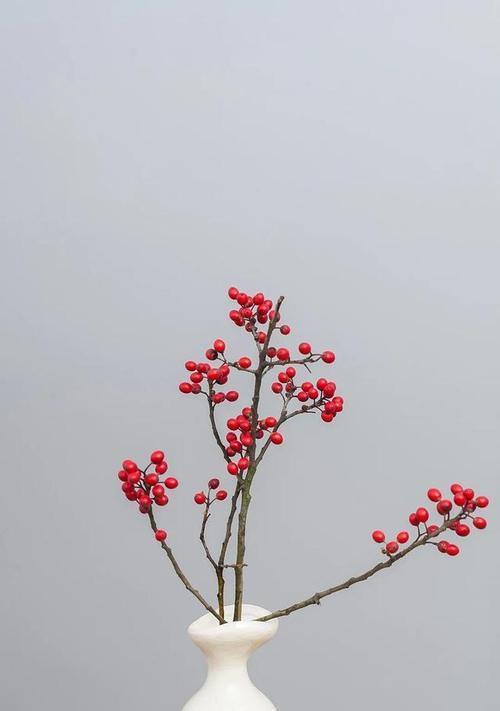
(154, 153)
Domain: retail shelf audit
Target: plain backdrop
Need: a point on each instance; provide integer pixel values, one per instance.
(344, 154)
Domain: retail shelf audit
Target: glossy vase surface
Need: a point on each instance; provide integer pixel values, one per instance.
(227, 649)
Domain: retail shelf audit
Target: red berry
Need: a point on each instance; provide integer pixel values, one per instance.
(243, 463)
(480, 522)
(232, 396)
(378, 536)
(258, 299)
(244, 362)
(185, 388)
(213, 484)
(462, 529)
(161, 500)
(242, 298)
(151, 479)
(190, 365)
(452, 549)
(276, 388)
(444, 506)
(157, 456)
(200, 498)
(129, 466)
(270, 422)
(291, 372)
(412, 518)
(321, 383)
(211, 354)
(443, 546)
(422, 514)
(233, 292)
(232, 468)
(285, 330)
(306, 386)
(283, 377)
(328, 356)
(392, 547)
(482, 502)
(171, 482)
(434, 495)
(456, 488)
(403, 536)
(221, 495)
(160, 535)
(161, 468)
(195, 378)
(276, 438)
(460, 499)
(433, 528)
(219, 346)
(302, 396)
(304, 348)
(246, 439)
(327, 416)
(283, 354)
(134, 477)
(469, 494)
(122, 475)
(158, 490)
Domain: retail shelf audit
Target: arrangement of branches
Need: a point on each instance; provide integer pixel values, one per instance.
(245, 451)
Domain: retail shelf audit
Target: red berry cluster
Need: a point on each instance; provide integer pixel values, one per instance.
(204, 372)
(253, 310)
(467, 503)
(144, 486)
(320, 396)
(213, 484)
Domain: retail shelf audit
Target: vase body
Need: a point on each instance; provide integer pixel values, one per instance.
(227, 649)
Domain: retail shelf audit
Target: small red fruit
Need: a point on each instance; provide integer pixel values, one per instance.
(469, 494)
(480, 522)
(283, 354)
(160, 535)
(276, 388)
(129, 466)
(443, 546)
(232, 396)
(213, 484)
(378, 536)
(219, 346)
(200, 498)
(161, 468)
(171, 482)
(392, 547)
(304, 348)
(462, 529)
(403, 536)
(422, 514)
(456, 488)
(185, 388)
(232, 468)
(244, 362)
(233, 292)
(151, 479)
(412, 518)
(276, 438)
(434, 495)
(243, 463)
(444, 506)
(328, 356)
(221, 495)
(482, 502)
(452, 549)
(460, 499)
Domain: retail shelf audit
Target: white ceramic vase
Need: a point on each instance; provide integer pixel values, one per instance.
(227, 649)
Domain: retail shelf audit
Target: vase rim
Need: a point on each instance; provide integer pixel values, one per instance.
(208, 626)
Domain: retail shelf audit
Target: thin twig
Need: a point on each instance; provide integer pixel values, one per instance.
(315, 599)
(181, 575)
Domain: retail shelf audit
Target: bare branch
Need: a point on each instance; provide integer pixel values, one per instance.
(315, 599)
(181, 575)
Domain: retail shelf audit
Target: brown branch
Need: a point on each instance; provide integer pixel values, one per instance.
(213, 423)
(181, 575)
(315, 599)
(219, 570)
(246, 496)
